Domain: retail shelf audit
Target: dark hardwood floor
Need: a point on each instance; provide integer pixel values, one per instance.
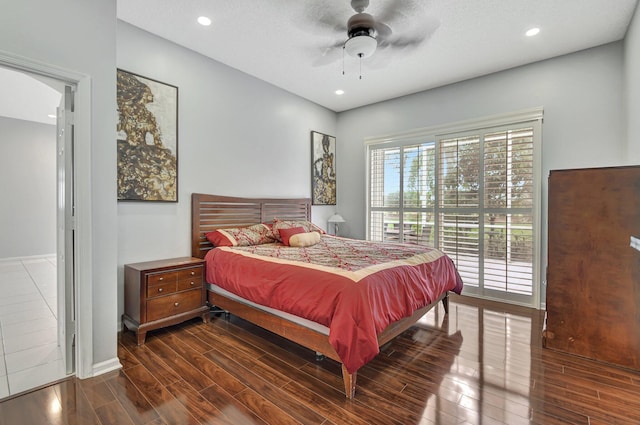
(481, 364)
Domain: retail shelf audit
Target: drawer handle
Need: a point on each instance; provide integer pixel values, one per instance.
(160, 289)
(193, 273)
(161, 278)
(193, 283)
(176, 304)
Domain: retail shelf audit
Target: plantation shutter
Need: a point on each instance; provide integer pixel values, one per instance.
(459, 204)
(508, 211)
(384, 193)
(401, 193)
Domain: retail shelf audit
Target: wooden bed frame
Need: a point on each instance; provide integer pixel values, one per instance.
(210, 212)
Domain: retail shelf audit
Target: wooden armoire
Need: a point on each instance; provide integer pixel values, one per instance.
(593, 274)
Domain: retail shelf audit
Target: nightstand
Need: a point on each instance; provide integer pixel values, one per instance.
(163, 293)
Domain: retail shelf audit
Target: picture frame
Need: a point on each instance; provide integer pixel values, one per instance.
(323, 169)
(147, 139)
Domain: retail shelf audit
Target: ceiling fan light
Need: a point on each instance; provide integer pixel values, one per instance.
(361, 46)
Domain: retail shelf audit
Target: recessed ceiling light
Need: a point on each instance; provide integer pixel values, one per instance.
(51, 115)
(203, 20)
(339, 92)
(532, 32)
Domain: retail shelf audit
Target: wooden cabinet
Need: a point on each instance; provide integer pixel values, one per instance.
(162, 293)
(593, 275)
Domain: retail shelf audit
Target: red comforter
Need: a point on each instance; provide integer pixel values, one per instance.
(356, 288)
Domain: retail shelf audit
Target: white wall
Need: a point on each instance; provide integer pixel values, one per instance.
(632, 88)
(582, 97)
(28, 170)
(238, 136)
(79, 36)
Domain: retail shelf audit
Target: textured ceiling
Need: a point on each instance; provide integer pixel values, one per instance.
(297, 44)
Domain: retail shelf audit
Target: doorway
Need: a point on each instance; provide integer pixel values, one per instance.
(36, 253)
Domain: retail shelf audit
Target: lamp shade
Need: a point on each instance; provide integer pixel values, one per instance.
(336, 218)
(361, 46)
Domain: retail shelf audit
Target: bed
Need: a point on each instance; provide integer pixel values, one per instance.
(332, 309)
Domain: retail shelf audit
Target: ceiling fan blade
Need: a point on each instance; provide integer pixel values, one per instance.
(396, 11)
(412, 37)
(328, 54)
(403, 43)
(378, 61)
(329, 27)
(315, 17)
(382, 30)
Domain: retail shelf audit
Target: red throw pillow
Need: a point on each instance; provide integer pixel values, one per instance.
(243, 236)
(217, 238)
(285, 234)
(286, 224)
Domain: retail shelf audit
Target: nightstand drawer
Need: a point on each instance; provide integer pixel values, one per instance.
(192, 273)
(183, 285)
(162, 289)
(170, 305)
(157, 278)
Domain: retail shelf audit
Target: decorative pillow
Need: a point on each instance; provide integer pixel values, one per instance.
(286, 234)
(245, 236)
(304, 239)
(287, 224)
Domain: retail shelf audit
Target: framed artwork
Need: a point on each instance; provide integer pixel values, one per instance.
(323, 169)
(147, 135)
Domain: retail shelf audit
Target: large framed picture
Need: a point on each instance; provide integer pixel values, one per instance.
(323, 169)
(147, 134)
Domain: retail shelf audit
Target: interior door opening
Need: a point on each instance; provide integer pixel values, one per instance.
(37, 318)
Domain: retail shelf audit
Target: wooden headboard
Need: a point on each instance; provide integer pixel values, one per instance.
(210, 212)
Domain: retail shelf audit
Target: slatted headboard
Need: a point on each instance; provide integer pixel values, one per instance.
(210, 212)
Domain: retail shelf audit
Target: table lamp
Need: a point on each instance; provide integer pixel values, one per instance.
(335, 219)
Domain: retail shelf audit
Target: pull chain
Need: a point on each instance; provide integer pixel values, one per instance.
(359, 58)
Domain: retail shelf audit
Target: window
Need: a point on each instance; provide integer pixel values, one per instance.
(472, 194)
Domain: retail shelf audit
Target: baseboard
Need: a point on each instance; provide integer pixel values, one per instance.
(106, 366)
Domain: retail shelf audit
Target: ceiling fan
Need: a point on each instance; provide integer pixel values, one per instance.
(367, 34)
(363, 31)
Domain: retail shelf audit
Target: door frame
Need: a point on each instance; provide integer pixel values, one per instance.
(82, 173)
(66, 228)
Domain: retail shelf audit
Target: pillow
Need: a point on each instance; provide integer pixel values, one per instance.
(286, 234)
(304, 239)
(245, 236)
(287, 224)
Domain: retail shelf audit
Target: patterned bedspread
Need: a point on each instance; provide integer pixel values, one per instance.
(356, 288)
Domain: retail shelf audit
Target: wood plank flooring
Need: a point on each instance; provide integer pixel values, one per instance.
(481, 364)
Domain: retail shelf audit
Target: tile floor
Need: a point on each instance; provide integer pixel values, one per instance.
(28, 324)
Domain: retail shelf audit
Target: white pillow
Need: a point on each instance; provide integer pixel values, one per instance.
(304, 239)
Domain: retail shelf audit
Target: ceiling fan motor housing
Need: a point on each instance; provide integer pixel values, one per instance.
(361, 24)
